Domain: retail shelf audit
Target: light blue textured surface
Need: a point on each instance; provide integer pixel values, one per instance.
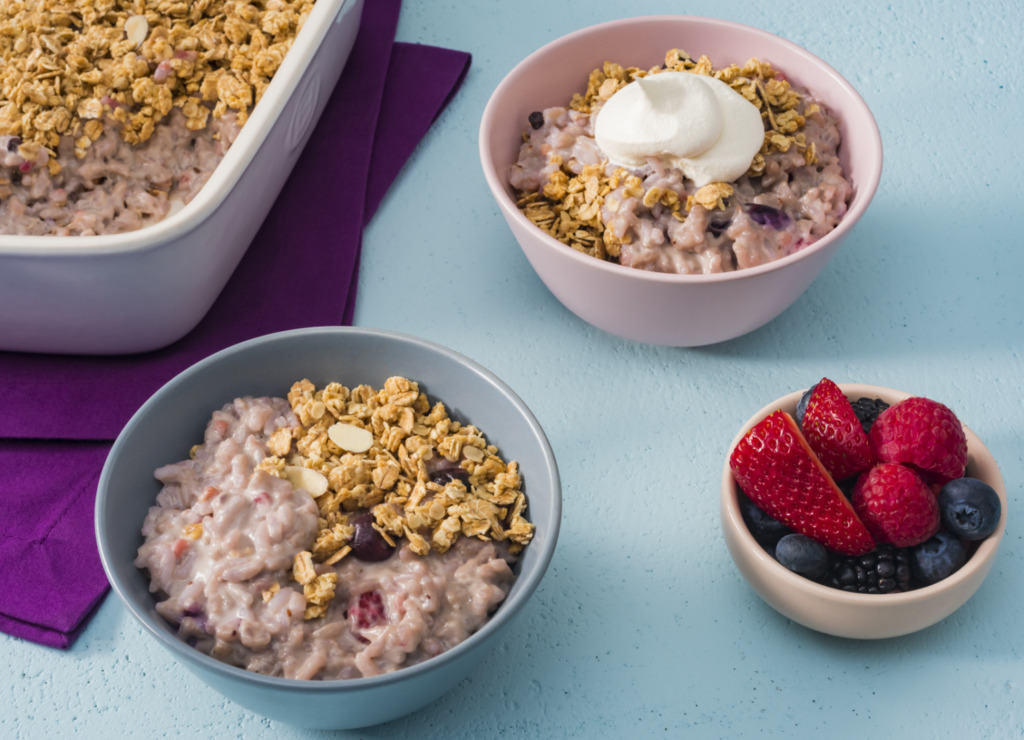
(643, 628)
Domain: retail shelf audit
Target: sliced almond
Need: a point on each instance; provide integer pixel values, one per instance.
(311, 480)
(350, 437)
(136, 28)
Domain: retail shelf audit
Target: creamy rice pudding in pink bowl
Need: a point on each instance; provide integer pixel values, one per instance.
(632, 194)
(678, 180)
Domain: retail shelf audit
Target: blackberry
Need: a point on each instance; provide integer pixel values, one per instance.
(846, 485)
(867, 410)
(886, 569)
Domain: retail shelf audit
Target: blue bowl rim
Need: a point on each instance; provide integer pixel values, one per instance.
(523, 588)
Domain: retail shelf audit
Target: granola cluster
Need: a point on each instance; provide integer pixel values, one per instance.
(69, 66)
(569, 205)
(372, 449)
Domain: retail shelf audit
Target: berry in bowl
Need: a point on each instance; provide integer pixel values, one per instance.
(861, 511)
(678, 166)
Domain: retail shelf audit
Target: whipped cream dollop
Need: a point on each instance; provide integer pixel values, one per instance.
(689, 121)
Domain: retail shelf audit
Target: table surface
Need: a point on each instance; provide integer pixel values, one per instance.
(643, 627)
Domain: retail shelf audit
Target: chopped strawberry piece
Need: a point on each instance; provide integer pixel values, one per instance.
(835, 433)
(778, 470)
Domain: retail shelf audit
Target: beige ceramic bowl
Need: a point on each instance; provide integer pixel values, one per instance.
(658, 308)
(843, 614)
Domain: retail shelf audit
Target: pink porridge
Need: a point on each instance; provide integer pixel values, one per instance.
(651, 215)
(377, 567)
(114, 187)
(114, 114)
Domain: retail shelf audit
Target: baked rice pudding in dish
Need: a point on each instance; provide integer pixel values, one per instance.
(114, 113)
(651, 205)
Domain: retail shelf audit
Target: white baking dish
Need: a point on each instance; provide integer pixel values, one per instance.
(141, 290)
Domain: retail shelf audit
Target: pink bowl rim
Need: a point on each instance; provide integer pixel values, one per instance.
(980, 560)
(865, 188)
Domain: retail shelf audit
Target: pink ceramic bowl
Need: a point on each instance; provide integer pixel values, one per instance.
(843, 614)
(676, 310)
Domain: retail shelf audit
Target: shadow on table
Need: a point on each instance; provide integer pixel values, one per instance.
(901, 286)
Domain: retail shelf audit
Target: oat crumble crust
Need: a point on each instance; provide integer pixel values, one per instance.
(70, 65)
(391, 478)
(568, 207)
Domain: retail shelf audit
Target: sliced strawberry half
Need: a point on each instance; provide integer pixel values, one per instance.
(835, 433)
(778, 470)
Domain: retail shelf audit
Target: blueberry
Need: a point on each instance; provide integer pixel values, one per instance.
(536, 120)
(717, 227)
(766, 529)
(768, 216)
(970, 508)
(802, 555)
(367, 543)
(445, 472)
(937, 558)
(801, 407)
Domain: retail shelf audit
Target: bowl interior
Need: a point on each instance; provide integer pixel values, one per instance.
(550, 76)
(170, 422)
(924, 605)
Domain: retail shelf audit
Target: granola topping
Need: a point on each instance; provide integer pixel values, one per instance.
(71, 67)
(394, 476)
(578, 199)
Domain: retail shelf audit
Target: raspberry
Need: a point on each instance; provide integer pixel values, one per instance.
(896, 505)
(368, 611)
(923, 434)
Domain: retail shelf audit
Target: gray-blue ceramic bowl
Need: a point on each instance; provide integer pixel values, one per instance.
(173, 420)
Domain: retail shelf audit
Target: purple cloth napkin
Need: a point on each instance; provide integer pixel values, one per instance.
(58, 415)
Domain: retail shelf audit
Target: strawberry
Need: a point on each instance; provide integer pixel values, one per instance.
(835, 433)
(923, 434)
(896, 505)
(778, 470)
